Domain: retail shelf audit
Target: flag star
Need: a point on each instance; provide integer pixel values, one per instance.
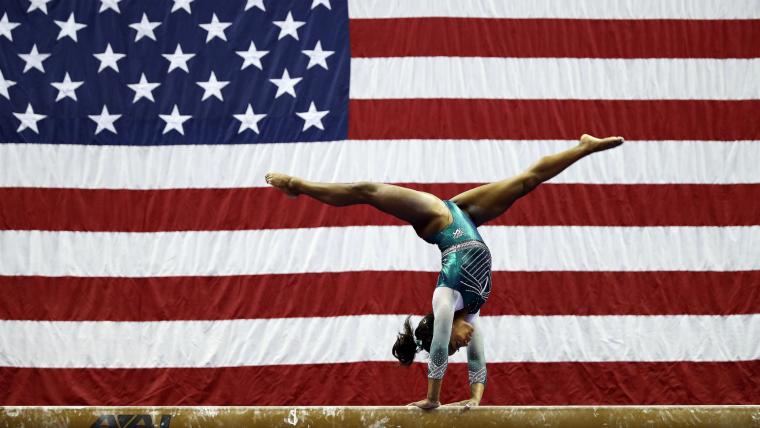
(69, 28)
(174, 120)
(212, 87)
(105, 120)
(288, 27)
(66, 88)
(38, 4)
(29, 119)
(108, 59)
(215, 29)
(178, 59)
(252, 57)
(6, 27)
(34, 59)
(249, 120)
(317, 56)
(182, 4)
(4, 85)
(109, 4)
(312, 117)
(256, 3)
(325, 3)
(145, 28)
(143, 89)
(286, 84)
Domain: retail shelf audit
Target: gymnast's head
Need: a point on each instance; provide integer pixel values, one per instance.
(406, 346)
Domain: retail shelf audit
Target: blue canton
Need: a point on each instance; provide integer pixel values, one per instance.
(163, 72)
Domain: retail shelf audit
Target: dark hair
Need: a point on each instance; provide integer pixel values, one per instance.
(405, 347)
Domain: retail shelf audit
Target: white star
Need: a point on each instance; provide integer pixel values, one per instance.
(249, 120)
(108, 59)
(29, 119)
(109, 4)
(325, 3)
(178, 59)
(317, 56)
(143, 89)
(215, 29)
(104, 120)
(145, 28)
(182, 4)
(38, 4)
(285, 84)
(4, 85)
(252, 57)
(257, 3)
(6, 27)
(66, 88)
(174, 120)
(212, 87)
(69, 28)
(288, 27)
(34, 59)
(313, 117)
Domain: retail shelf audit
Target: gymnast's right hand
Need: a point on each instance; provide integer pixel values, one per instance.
(425, 404)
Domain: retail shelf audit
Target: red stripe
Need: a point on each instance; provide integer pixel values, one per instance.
(553, 119)
(382, 383)
(575, 38)
(104, 210)
(336, 294)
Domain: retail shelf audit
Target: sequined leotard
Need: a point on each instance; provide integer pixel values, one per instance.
(465, 272)
(465, 260)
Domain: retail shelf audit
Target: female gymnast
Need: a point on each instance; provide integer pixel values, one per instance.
(464, 283)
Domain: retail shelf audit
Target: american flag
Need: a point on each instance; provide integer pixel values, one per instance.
(144, 260)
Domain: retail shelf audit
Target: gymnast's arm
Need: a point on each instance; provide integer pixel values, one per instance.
(476, 363)
(444, 300)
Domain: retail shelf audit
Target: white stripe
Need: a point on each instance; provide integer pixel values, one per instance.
(386, 248)
(399, 161)
(554, 78)
(369, 338)
(579, 9)
(622, 338)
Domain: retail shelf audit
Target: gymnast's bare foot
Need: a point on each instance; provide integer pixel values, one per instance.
(593, 144)
(284, 182)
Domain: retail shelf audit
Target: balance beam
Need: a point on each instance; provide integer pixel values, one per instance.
(518, 417)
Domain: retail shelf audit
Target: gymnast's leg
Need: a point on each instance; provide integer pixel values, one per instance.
(425, 212)
(484, 203)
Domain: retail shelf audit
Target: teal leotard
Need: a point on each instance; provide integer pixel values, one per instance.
(465, 260)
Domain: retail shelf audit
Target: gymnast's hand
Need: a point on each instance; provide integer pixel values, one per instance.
(472, 402)
(425, 404)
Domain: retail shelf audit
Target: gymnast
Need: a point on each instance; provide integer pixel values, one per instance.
(464, 282)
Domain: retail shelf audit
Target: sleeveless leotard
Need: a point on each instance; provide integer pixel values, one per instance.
(465, 260)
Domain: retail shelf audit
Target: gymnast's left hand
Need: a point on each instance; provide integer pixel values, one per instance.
(425, 404)
(472, 402)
